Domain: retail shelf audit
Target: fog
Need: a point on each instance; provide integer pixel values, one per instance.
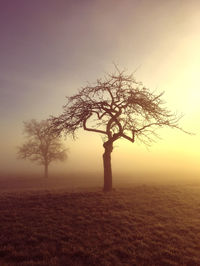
(131, 163)
(50, 51)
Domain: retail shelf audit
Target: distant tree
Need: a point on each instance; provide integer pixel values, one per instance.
(42, 146)
(116, 107)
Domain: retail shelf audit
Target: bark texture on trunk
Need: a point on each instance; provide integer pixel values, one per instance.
(107, 166)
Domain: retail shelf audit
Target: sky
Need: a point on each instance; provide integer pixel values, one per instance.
(50, 49)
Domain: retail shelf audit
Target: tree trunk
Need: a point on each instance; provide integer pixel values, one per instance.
(107, 166)
(46, 170)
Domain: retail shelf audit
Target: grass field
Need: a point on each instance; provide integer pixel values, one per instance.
(139, 225)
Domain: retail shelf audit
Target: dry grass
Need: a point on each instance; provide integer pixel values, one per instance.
(142, 225)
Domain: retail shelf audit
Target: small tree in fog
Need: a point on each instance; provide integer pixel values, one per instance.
(42, 145)
(116, 107)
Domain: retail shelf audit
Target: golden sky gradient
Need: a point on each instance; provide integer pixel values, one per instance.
(50, 49)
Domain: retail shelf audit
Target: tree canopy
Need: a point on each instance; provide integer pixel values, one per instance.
(117, 107)
(42, 145)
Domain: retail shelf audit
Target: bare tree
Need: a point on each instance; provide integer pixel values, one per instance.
(42, 145)
(116, 107)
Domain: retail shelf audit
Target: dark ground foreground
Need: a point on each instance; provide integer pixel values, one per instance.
(139, 225)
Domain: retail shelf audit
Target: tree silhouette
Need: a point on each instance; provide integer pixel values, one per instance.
(116, 107)
(42, 145)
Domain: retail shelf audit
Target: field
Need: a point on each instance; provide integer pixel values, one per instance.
(140, 225)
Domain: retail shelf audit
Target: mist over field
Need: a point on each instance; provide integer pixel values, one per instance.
(47, 224)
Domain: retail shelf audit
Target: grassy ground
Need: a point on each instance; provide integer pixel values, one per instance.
(139, 225)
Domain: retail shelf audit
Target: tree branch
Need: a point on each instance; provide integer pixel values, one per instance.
(92, 129)
(132, 139)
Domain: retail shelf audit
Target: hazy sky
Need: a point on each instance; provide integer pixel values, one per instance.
(49, 49)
